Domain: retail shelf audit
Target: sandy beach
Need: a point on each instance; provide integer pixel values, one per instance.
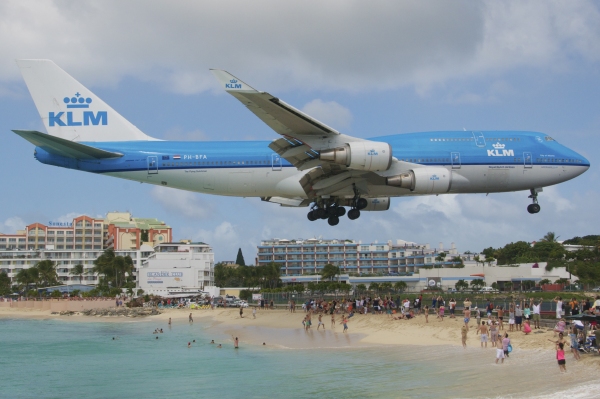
(282, 328)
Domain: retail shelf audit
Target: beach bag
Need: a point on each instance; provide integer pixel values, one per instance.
(509, 348)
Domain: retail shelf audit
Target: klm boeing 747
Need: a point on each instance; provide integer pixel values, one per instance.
(310, 164)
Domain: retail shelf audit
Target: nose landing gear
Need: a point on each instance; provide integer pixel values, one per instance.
(534, 207)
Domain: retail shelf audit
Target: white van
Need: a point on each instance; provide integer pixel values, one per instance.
(489, 289)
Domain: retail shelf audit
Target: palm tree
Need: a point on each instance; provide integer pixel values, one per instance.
(550, 237)
(47, 273)
(440, 258)
(400, 286)
(77, 270)
(330, 271)
(26, 277)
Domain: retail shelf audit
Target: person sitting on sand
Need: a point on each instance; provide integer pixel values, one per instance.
(526, 327)
(560, 326)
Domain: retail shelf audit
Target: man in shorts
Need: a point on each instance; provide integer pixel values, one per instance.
(483, 329)
(535, 306)
(518, 317)
(499, 355)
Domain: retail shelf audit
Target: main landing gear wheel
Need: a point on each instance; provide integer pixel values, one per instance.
(353, 214)
(341, 211)
(361, 203)
(311, 216)
(535, 207)
(333, 220)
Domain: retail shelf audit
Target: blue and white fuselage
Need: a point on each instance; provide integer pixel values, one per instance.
(311, 163)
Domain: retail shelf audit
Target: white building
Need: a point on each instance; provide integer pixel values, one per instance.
(13, 261)
(177, 269)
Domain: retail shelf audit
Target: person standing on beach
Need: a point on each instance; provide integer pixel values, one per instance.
(500, 313)
(511, 318)
(505, 344)
(518, 317)
(574, 342)
(559, 308)
(426, 313)
(463, 332)
(191, 319)
(241, 312)
(560, 357)
(467, 316)
(254, 312)
(536, 307)
(236, 343)
(494, 333)
(345, 323)
(483, 329)
(332, 321)
(320, 322)
(434, 303)
(452, 307)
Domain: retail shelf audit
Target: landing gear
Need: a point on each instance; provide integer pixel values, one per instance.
(535, 207)
(353, 214)
(331, 212)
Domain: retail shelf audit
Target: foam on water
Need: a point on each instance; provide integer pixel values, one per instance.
(51, 358)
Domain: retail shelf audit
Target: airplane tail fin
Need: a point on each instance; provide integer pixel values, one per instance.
(69, 110)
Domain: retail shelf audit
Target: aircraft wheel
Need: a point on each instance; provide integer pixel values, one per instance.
(353, 214)
(311, 216)
(320, 213)
(533, 208)
(361, 203)
(333, 220)
(341, 211)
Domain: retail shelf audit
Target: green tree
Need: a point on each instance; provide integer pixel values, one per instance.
(545, 281)
(47, 273)
(5, 284)
(489, 260)
(550, 237)
(27, 277)
(400, 286)
(374, 287)
(386, 286)
(477, 284)
(239, 260)
(361, 287)
(440, 259)
(113, 270)
(329, 271)
(461, 285)
(77, 270)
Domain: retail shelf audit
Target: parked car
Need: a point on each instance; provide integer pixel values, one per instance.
(452, 290)
(596, 289)
(573, 287)
(489, 289)
(535, 289)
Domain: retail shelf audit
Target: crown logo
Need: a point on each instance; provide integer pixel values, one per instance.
(498, 146)
(233, 81)
(77, 101)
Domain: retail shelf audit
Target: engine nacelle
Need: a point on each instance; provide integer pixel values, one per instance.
(361, 155)
(434, 180)
(374, 204)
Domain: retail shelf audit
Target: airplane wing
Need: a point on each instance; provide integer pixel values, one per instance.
(70, 149)
(280, 116)
(305, 138)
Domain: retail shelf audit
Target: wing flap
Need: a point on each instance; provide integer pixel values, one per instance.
(70, 149)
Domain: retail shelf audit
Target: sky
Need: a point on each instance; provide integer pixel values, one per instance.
(397, 67)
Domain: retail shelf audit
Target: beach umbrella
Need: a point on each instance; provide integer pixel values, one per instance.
(583, 317)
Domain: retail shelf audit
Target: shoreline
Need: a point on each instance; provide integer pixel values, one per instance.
(371, 329)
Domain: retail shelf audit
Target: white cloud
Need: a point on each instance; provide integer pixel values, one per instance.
(11, 225)
(182, 203)
(329, 112)
(346, 45)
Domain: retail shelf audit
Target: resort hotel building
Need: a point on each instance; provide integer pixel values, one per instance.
(298, 257)
(81, 241)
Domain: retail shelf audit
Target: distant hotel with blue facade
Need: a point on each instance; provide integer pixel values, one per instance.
(299, 257)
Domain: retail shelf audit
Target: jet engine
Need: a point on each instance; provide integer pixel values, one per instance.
(428, 180)
(361, 155)
(374, 204)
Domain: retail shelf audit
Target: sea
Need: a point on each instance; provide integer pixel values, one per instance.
(57, 358)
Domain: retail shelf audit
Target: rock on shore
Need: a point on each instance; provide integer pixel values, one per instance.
(114, 312)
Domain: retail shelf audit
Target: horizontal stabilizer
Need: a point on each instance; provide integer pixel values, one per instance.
(70, 149)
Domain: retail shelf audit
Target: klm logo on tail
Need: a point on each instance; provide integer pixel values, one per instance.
(74, 118)
(233, 84)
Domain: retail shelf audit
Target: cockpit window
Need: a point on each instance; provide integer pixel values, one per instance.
(548, 138)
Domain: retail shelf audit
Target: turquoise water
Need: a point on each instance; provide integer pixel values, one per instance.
(66, 359)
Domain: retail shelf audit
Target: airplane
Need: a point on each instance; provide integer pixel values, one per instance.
(310, 165)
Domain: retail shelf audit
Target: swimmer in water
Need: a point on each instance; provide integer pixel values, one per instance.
(236, 343)
(189, 344)
(218, 346)
(212, 341)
